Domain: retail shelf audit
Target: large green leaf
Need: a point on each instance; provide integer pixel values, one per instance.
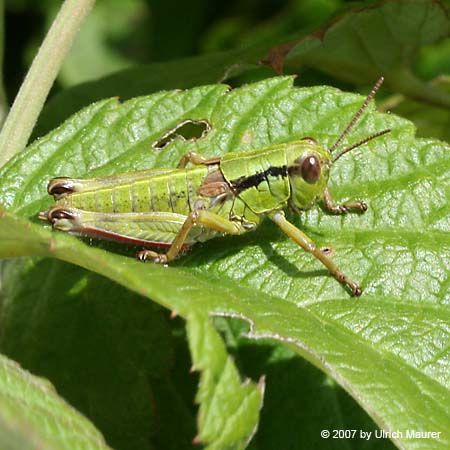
(389, 348)
(32, 416)
(228, 410)
(378, 39)
(110, 353)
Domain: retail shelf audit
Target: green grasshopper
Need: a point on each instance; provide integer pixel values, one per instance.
(230, 194)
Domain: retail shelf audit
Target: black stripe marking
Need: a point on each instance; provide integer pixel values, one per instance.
(242, 183)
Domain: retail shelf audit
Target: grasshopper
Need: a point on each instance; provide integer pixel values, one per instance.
(174, 208)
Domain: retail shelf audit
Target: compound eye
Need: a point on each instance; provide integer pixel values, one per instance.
(310, 169)
(310, 140)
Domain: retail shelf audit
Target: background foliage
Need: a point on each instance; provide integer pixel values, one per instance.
(118, 358)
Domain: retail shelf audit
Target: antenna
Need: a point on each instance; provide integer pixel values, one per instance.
(361, 142)
(358, 115)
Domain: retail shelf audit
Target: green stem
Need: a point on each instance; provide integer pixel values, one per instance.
(406, 83)
(3, 100)
(43, 71)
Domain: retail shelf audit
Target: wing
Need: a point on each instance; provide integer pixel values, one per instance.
(150, 228)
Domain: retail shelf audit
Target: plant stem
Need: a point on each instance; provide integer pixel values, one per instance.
(40, 77)
(3, 101)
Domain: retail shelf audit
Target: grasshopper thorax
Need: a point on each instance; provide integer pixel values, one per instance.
(308, 169)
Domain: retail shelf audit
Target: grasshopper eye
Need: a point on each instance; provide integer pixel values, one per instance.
(310, 169)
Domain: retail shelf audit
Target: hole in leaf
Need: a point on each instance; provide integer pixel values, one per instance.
(187, 130)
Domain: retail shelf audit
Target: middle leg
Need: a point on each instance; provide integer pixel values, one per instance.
(203, 218)
(196, 159)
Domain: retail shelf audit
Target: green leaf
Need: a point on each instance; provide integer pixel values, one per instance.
(389, 348)
(228, 410)
(112, 354)
(369, 41)
(33, 416)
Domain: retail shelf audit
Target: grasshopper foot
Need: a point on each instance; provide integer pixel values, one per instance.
(347, 207)
(145, 255)
(359, 206)
(332, 208)
(356, 291)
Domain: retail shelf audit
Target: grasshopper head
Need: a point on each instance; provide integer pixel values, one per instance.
(309, 164)
(308, 170)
